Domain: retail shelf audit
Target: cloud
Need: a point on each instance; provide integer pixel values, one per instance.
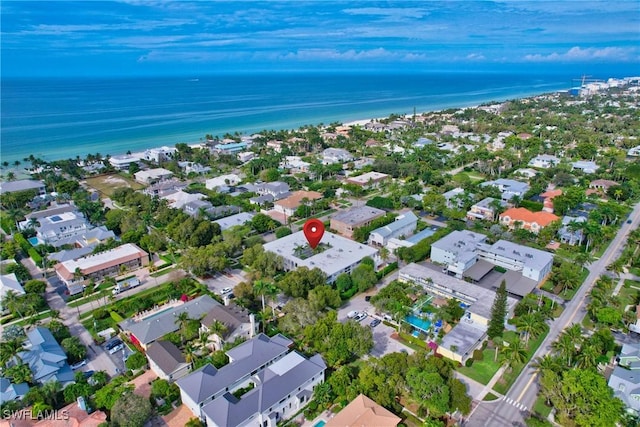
(475, 57)
(578, 54)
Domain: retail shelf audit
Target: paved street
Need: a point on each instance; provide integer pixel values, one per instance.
(514, 408)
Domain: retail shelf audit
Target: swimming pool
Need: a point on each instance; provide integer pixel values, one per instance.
(418, 323)
(34, 241)
(320, 423)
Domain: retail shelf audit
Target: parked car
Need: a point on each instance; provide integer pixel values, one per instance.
(352, 314)
(375, 322)
(225, 291)
(367, 298)
(113, 343)
(88, 374)
(360, 317)
(116, 349)
(79, 364)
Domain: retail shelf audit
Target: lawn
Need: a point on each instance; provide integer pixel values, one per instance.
(93, 297)
(462, 176)
(489, 397)
(628, 294)
(635, 271)
(540, 407)
(504, 384)
(482, 370)
(107, 184)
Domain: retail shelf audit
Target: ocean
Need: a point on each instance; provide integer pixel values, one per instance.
(63, 118)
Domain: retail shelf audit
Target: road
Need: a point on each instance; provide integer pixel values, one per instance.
(517, 403)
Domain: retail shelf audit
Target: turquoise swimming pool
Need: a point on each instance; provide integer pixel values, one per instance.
(34, 241)
(418, 323)
(320, 423)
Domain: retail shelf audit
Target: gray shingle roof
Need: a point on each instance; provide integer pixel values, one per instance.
(274, 383)
(166, 356)
(232, 316)
(158, 325)
(246, 358)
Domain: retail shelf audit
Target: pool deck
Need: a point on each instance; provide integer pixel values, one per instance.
(324, 415)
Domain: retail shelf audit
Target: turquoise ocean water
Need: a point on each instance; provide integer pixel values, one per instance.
(64, 118)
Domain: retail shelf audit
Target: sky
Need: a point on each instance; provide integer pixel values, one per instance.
(138, 38)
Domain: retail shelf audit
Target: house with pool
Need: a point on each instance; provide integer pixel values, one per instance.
(459, 343)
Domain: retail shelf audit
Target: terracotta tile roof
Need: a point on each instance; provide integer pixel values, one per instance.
(551, 194)
(294, 200)
(363, 411)
(526, 216)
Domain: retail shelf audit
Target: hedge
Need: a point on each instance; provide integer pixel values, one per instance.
(35, 256)
(388, 269)
(19, 239)
(115, 316)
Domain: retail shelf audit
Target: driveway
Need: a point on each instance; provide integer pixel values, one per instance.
(382, 341)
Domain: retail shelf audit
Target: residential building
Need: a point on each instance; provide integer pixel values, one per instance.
(469, 333)
(277, 189)
(508, 187)
(222, 181)
(602, 184)
(180, 198)
(122, 163)
(146, 328)
(191, 167)
(544, 161)
(405, 224)
(486, 209)
(368, 180)
(197, 207)
(525, 219)
(526, 172)
(9, 283)
(363, 411)
(625, 378)
(340, 255)
(280, 391)
(245, 156)
(152, 176)
(46, 359)
(336, 155)
(237, 322)
(634, 152)
(23, 185)
(160, 154)
(10, 391)
(345, 222)
(208, 383)
(407, 242)
(288, 205)
(568, 234)
(231, 147)
(295, 164)
(166, 360)
(586, 166)
(75, 273)
(455, 198)
(275, 145)
(465, 254)
(162, 188)
(233, 220)
(61, 229)
(547, 199)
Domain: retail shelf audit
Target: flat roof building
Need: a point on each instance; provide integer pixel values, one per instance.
(466, 254)
(152, 176)
(233, 220)
(345, 222)
(99, 265)
(368, 180)
(340, 255)
(22, 185)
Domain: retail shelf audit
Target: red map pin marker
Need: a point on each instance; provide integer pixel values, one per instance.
(313, 231)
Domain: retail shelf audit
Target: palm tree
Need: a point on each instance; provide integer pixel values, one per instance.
(588, 357)
(51, 390)
(10, 349)
(531, 324)
(218, 329)
(264, 288)
(12, 301)
(190, 355)
(20, 373)
(566, 347)
(546, 363)
(182, 320)
(514, 353)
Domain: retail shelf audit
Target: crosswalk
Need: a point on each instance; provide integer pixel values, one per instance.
(518, 405)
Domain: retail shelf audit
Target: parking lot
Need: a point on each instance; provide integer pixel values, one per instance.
(382, 341)
(224, 280)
